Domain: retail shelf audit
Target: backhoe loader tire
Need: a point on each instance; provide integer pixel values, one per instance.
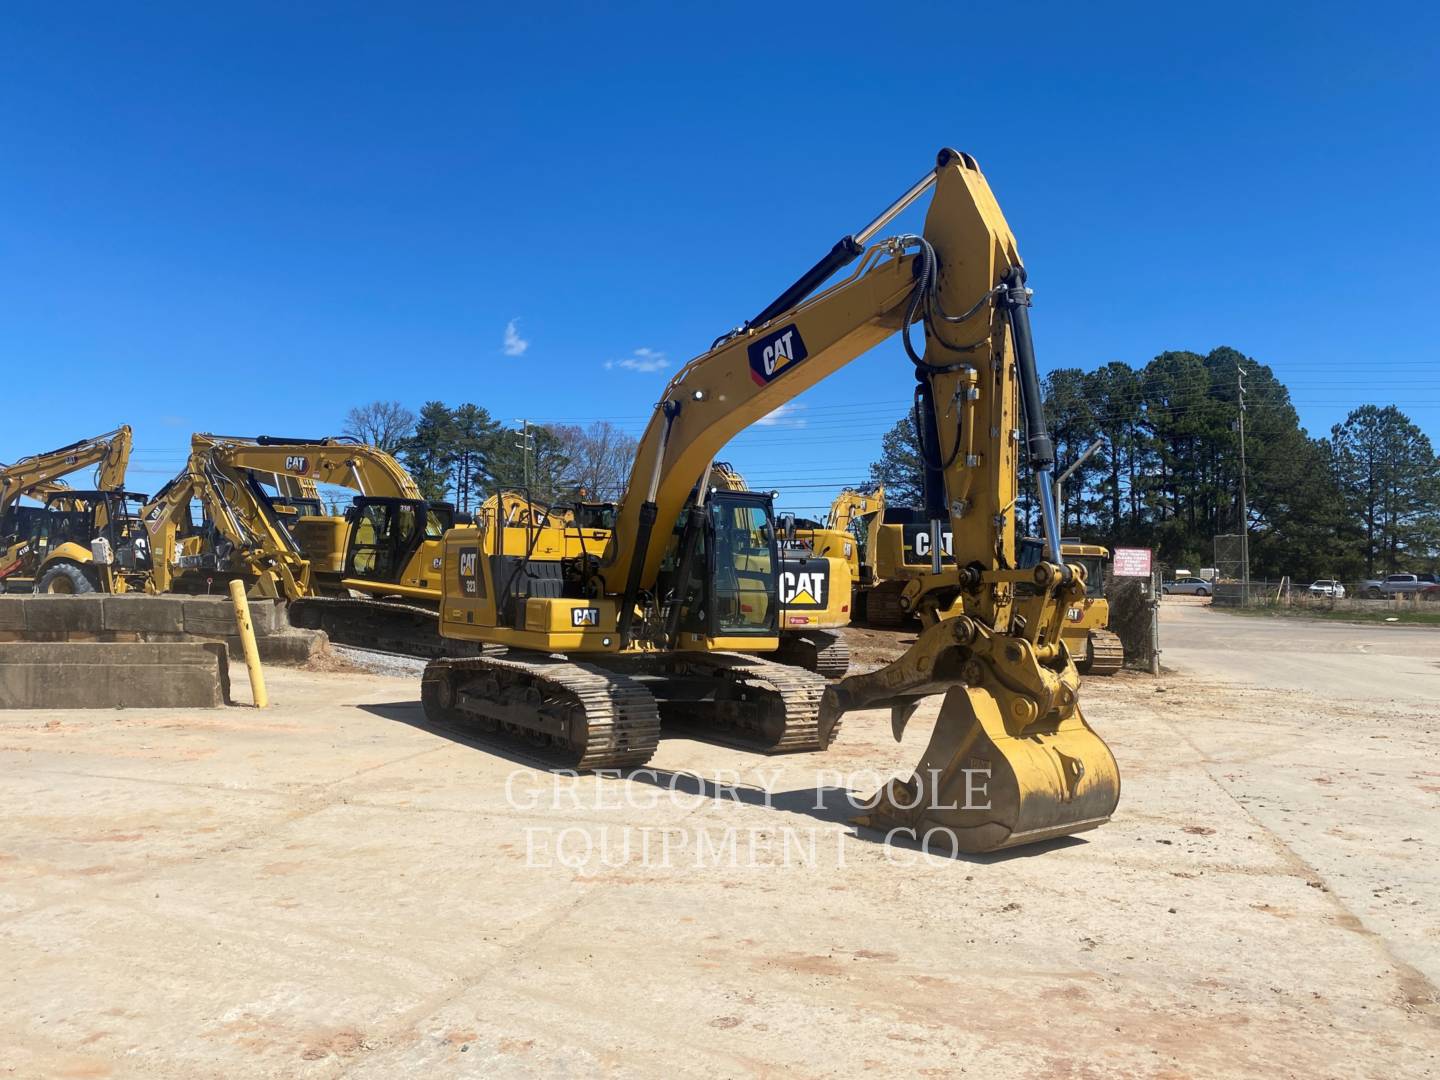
(64, 579)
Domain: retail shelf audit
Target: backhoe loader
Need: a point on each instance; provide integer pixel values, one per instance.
(666, 620)
(38, 476)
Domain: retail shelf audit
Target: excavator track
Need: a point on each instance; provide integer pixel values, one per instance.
(882, 605)
(746, 699)
(378, 624)
(1107, 655)
(575, 716)
(821, 651)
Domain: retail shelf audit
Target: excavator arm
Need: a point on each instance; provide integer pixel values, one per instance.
(850, 506)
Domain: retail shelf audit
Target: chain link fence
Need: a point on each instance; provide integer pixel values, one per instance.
(1356, 596)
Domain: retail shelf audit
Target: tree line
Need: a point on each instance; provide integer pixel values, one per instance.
(462, 454)
(1167, 476)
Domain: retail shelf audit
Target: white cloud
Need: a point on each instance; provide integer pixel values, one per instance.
(514, 345)
(784, 416)
(640, 360)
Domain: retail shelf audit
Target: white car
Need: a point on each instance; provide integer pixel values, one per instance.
(1327, 587)
(1186, 587)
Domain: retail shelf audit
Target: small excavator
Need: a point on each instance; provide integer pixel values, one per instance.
(667, 619)
(1096, 648)
(39, 476)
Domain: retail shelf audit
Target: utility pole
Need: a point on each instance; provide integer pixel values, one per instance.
(1244, 506)
(524, 446)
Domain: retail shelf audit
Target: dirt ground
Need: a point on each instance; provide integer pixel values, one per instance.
(330, 889)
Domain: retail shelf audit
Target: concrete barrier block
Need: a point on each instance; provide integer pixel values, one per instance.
(265, 617)
(59, 614)
(145, 613)
(12, 612)
(216, 615)
(294, 647)
(100, 675)
(209, 615)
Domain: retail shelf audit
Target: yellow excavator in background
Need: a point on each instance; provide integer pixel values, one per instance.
(846, 530)
(38, 476)
(1096, 648)
(118, 541)
(666, 620)
(375, 572)
(387, 543)
(815, 594)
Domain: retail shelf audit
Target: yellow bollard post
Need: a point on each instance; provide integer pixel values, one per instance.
(247, 643)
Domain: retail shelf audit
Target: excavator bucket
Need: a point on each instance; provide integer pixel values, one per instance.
(1011, 760)
(985, 786)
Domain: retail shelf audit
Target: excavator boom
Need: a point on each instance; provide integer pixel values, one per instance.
(37, 474)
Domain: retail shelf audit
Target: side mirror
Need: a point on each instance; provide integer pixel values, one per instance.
(464, 518)
(787, 526)
(352, 514)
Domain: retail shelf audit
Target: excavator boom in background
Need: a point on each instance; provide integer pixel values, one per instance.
(662, 620)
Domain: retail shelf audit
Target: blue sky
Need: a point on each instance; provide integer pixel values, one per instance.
(546, 213)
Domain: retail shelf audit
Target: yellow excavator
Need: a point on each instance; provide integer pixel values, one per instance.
(39, 476)
(388, 542)
(666, 621)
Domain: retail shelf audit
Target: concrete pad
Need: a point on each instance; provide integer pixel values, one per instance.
(96, 675)
(61, 614)
(147, 613)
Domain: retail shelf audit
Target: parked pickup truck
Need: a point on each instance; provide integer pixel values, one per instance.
(1395, 584)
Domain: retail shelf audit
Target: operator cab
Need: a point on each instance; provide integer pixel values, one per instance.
(80, 517)
(595, 515)
(386, 532)
(733, 561)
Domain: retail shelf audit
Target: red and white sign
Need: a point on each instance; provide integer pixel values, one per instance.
(1131, 562)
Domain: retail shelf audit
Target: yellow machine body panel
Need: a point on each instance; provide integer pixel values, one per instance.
(512, 539)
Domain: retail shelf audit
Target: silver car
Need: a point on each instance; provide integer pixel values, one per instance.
(1327, 587)
(1186, 587)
